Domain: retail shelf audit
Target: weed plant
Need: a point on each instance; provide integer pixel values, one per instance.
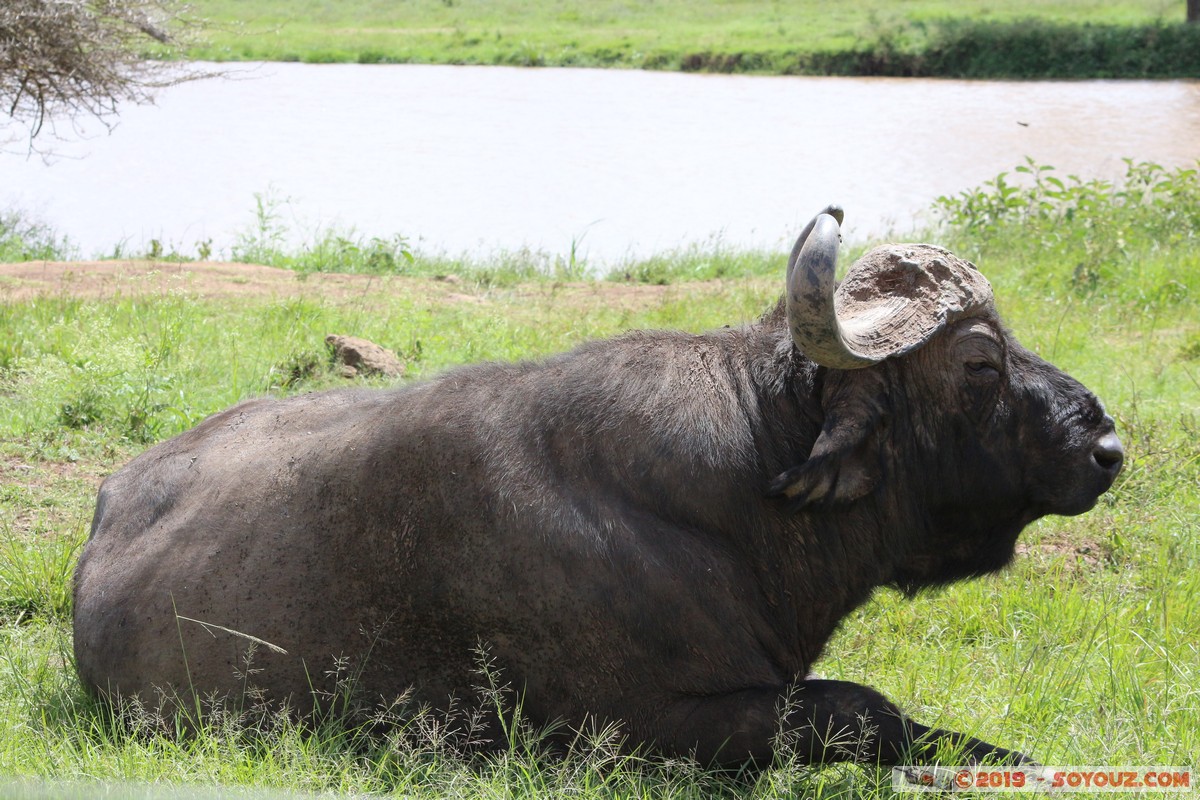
(1082, 652)
(1134, 242)
(331, 250)
(25, 239)
(269, 240)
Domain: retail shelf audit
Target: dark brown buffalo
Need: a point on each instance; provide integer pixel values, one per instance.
(659, 531)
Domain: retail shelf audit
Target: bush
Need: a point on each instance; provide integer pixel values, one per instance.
(22, 239)
(1136, 239)
(1038, 49)
(1029, 48)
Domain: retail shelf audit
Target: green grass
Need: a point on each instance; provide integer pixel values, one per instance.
(1084, 652)
(1078, 38)
(22, 239)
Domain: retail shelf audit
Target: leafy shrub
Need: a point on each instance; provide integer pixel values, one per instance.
(299, 369)
(1024, 48)
(1033, 48)
(1137, 238)
(22, 239)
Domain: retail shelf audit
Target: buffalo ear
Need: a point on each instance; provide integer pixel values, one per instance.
(844, 464)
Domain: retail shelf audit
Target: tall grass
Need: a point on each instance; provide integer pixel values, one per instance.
(272, 241)
(1084, 652)
(331, 250)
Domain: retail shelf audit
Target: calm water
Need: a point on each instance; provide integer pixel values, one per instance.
(483, 158)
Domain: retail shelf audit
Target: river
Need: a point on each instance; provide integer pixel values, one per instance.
(619, 163)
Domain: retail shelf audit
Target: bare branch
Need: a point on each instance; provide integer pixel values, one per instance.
(85, 58)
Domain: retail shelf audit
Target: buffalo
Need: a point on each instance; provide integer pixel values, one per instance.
(657, 532)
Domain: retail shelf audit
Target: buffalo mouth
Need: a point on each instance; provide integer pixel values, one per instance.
(1092, 478)
(1073, 507)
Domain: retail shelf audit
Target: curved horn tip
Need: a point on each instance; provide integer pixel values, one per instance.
(836, 212)
(811, 307)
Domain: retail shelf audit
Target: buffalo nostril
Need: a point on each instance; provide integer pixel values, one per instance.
(1109, 453)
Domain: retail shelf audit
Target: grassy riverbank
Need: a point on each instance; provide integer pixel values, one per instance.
(1083, 652)
(1032, 38)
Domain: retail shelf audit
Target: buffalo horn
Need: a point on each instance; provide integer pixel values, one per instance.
(893, 299)
(811, 313)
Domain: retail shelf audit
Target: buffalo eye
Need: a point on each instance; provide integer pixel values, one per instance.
(981, 387)
(980, 369)
(979, 350)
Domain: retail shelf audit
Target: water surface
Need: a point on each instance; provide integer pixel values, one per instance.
(619, 162)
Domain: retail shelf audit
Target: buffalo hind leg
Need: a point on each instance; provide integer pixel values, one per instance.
(824, 721)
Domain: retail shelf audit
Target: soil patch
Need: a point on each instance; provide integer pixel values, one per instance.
(1084, 554)
(212, 279)
(108, 279)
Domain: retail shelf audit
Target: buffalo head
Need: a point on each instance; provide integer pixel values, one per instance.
(976, 435)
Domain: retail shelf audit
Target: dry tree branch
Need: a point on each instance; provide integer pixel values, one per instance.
(84, 58)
